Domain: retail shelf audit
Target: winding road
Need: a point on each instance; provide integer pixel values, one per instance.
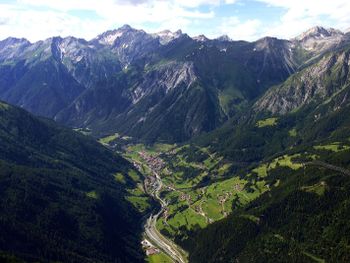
(154, 236)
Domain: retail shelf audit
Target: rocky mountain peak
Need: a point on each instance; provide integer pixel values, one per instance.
(166, 36)
(125, 27)
(319, 39)
(11, 46)
(316, 82)
(224, 38)
(318, 32)
(12, 42)
(201, 38)
(109, 37)
(270, 44)
(266, 41)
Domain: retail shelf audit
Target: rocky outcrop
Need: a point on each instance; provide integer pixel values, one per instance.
(316, 83)
(318, 40)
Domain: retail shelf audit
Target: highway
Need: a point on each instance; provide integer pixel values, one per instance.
(154, 236)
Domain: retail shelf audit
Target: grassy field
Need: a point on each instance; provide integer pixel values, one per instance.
(267, 122)
(334, 147)
(119, 177)
(108, 139)
(92, 194)
(285, 160)
(293, 133)
(318, 188)
(138, 198)
(191, 206)
(159, 258)
(207, 204)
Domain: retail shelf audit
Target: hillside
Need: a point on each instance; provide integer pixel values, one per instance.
(61, 200)
(302, 219)
(311, 105)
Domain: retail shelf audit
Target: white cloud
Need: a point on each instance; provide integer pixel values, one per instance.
(196, 3)
(238, 30)
(38, 19)
(230, 2)
(302, 14)
(91, 4)
(35, 25)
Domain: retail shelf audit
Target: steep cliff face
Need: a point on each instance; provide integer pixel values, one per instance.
(318, 83)
(127, 101)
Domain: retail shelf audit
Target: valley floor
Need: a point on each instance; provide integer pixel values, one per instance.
(195, 188)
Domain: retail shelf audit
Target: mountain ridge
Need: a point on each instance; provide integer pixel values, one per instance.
(128, 63)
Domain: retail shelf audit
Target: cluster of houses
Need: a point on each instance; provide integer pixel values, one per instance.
(185, 197)
(154, 162)
(149, 248)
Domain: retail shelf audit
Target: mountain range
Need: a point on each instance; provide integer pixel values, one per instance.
(165, 86)
(245, 145)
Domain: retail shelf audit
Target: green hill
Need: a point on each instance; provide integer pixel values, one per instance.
(60, 197)
(302, 219)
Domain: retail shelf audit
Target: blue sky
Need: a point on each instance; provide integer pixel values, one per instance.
(239, 19)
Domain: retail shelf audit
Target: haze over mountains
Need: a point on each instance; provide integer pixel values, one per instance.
(123, 79)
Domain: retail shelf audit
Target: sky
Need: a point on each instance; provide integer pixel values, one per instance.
(239, 19)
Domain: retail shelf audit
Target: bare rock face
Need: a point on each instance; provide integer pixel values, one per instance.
(201, 38)
(319, 39)
(166, 36)
(165, 78)
(127, 43)
(318, 82)
(11, 47)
